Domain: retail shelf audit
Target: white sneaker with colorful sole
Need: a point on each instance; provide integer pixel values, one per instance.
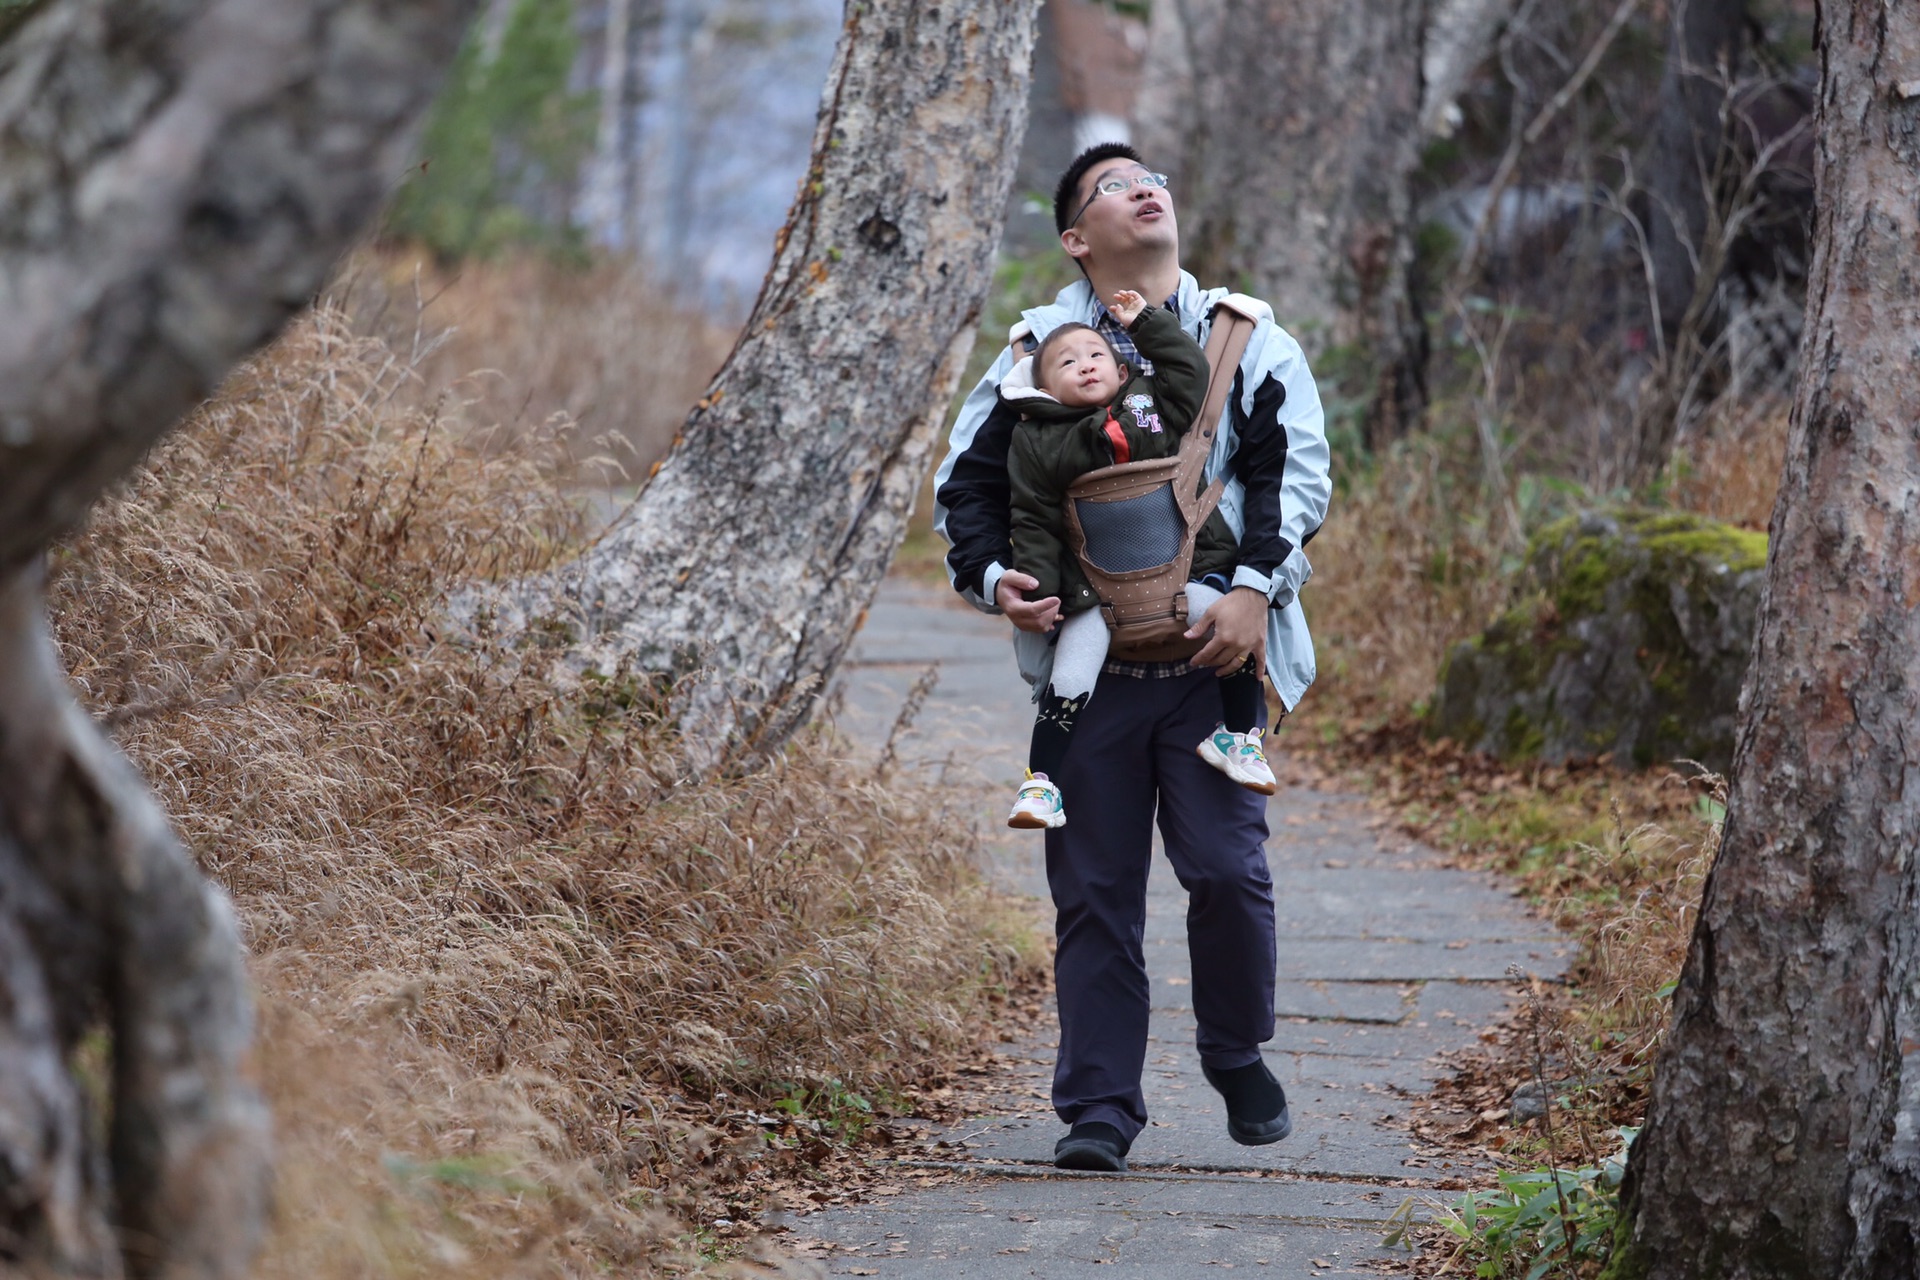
(1240, 757)
(1038, 806)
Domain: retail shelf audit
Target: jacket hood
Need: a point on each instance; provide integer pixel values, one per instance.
(1017, 388)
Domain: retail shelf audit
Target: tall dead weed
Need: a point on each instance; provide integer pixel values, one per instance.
(604, 344)
(1407, 568)
(514, 968)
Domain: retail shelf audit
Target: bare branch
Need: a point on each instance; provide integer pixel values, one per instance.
(1510, 161)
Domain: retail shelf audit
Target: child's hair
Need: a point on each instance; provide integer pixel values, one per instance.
(1073, 326)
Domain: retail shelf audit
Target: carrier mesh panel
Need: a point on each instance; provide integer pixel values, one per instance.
(1133, 533)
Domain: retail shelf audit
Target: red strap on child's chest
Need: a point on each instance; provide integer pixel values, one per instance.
(1121, 453)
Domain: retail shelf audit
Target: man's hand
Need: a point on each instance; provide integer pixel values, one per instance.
(1239, 624)
(1127, 306)
(1029, 615)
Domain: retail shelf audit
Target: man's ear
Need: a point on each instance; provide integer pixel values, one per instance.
(1075, 244)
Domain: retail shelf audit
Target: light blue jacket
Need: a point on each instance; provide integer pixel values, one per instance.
(1306, 484)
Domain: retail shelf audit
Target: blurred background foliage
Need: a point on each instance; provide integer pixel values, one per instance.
(504, 145)
(605, 177)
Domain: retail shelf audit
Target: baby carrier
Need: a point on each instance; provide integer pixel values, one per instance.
(1133, 525)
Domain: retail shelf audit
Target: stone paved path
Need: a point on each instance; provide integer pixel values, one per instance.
(1385, 960)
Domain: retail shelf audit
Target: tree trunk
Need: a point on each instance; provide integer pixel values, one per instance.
(1781, 1137)
(1692, 176)
(748, 561)
(175, 180)
(1294, 141)
(1459, 33)
(1099, 66)
(1686, 171)
(609, 183)
(680, 110)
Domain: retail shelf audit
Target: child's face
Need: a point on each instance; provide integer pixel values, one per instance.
(1081, 371)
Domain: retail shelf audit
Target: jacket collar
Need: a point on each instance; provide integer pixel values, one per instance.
(1076, 302)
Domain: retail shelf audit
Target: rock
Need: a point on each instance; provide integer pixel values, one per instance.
(1628, 636)
(1529, 1103)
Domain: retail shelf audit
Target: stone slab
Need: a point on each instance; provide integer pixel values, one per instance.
(1398, 960)
(1376, 1002)
(1470, 1006)
(1339, 1102)
(1067, 1226)
(1414, 902)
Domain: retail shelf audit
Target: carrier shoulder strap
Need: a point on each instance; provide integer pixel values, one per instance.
(1234, 319)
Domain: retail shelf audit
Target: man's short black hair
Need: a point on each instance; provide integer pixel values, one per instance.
(1066, 196)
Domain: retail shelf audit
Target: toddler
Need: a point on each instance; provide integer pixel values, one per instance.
(1082, 408)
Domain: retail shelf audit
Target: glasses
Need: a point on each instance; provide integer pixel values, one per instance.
(1115, 185)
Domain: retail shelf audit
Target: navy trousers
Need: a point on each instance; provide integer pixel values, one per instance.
(1133, 757)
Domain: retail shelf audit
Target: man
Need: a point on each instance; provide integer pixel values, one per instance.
(1133, 744)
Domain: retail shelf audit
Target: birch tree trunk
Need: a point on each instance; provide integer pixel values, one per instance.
(1459, 33)
(175, 180)
(747, 562)
(1781, 1139)
(1294, 141)
(609, 181)
(679, 99)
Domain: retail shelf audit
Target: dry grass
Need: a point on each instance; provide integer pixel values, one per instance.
(1733, 472)
(1410, 534)
(513, 967)
(1435, 530)
(1637, 903)
(602, 345)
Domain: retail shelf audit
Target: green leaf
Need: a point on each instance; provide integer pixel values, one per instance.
(1543, 1207)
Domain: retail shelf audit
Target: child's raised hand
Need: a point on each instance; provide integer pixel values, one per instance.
(1127, 306)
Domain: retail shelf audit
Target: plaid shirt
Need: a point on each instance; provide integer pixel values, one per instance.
(1116, 333)
(1149, 670)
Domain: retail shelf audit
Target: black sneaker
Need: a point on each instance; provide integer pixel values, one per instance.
(1256, 1104)
(1092, 1145)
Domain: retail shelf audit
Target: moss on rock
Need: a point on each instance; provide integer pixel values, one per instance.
(1628, 635)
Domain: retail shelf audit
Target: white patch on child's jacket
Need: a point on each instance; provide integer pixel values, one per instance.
(1018, 384)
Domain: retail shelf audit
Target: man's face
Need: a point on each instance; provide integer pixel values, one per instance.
(1118, 225)
(1081, 371)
